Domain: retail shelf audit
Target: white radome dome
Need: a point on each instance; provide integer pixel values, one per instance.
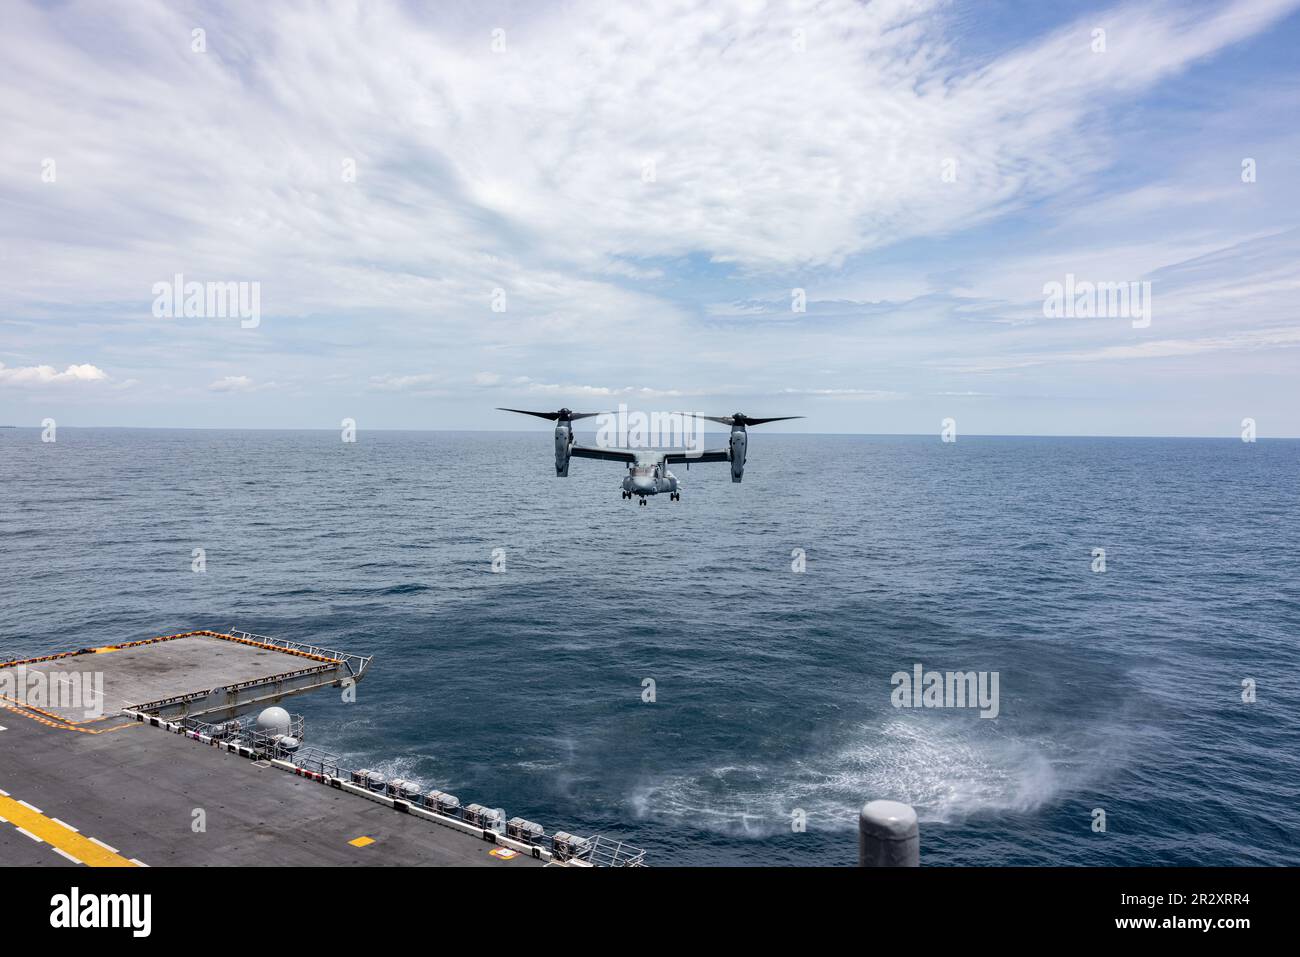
(274, 719)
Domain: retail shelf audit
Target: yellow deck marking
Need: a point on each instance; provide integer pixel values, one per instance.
(58, 836)
(361, 841)
(53, 720)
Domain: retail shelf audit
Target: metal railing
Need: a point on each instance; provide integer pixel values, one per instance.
(595, 851)
(356, 664)
(603, 852)
(321, 762)
(245, 731)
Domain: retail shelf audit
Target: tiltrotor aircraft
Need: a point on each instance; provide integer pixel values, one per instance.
(647, 469)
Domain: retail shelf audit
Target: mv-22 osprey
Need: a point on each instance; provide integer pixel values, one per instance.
(647, 469)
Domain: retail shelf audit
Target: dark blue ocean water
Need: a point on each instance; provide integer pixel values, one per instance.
(523, 690)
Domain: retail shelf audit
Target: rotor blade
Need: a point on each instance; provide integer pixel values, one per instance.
(740, 419)
(724, 419)
(541, 415)
(562, 415)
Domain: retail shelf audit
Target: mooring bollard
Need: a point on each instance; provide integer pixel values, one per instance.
(888, 835)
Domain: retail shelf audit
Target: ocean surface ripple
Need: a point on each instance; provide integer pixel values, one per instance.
(523, 689)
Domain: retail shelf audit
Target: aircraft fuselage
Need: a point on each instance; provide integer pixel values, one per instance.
(646, 480)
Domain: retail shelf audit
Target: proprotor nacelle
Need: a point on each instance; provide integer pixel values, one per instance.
(563, 419)
(739, 443)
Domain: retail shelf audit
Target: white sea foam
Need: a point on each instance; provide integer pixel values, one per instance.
(947, 769)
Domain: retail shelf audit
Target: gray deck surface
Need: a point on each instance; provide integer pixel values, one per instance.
(180, 666)
(136, 790)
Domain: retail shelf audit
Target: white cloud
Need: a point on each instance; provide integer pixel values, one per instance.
(233, 383)
(423, 383)
(763, 156)
(869, 395)
(560, 388)
(1151, 349)
(526, 171)
(48, 375)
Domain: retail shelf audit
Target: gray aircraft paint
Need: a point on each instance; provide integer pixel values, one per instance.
(647, 469)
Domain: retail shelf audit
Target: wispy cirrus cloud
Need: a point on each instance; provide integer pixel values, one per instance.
(607, 172)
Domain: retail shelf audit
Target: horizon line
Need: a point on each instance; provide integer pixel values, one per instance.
(983, 435)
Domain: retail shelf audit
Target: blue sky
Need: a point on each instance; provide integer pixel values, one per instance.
(646, 185)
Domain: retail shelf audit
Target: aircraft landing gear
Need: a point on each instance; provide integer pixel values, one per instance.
(642, 499)
(675, 497)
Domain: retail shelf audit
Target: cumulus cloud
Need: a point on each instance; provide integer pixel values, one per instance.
(48, 375)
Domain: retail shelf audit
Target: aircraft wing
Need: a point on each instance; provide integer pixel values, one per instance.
(609, 455)
(711, 455)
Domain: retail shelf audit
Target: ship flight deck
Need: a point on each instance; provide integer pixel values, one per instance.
(136, 782)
